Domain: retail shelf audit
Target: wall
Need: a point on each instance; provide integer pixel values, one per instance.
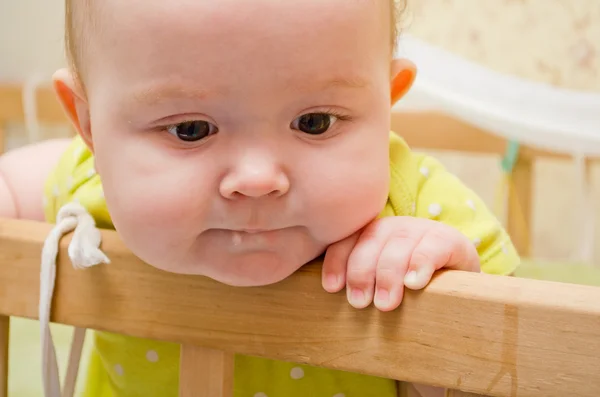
(552, 41)
(30, 38)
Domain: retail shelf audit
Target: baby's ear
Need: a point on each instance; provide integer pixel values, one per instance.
(72, 98)
(403, 74)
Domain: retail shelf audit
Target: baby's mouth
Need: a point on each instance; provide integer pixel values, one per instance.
(254, 237)
(253, 231)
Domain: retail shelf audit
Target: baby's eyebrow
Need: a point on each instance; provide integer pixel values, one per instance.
(352, 82)
(156, 94)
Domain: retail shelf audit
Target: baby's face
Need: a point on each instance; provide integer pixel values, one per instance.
(238, 139)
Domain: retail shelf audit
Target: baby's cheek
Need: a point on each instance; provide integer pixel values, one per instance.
(157, 218)
(358, 195)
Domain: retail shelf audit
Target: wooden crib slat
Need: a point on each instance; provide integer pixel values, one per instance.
(475, 332)
(4, 338)
(48, 107)
(205, 372)
(519, 216)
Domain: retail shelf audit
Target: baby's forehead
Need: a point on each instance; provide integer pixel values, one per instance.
(222, 14)
(182, 36)
(110, 21)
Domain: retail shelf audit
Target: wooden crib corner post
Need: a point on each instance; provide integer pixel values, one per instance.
(4, 337)
(205, 372)
(519, 222)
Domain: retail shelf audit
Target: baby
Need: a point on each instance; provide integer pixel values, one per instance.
(239, 140)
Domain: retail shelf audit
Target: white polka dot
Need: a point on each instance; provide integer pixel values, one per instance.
(152, 356)
(504, 249)
(101, 195)
(471, 204)
(435, 209)
(119, 369)
(340, 395)
(424, 171)
(91, 172)
(69, 182)
(477, 242)
(297, 373)
(260, 394)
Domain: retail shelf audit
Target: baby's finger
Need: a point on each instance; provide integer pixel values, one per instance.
(336, 263)
(433, 252)
(360, 275)
(391, 270)
(464, 256)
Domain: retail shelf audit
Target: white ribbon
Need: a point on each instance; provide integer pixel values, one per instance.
(84, 252)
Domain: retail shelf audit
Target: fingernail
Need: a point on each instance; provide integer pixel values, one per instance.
(382, 296)
(411, 277)
(332, 280)
(357, 297)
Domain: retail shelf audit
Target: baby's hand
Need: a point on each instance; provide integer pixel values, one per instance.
(390, 253)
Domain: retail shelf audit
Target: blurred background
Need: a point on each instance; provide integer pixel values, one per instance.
(552, 42)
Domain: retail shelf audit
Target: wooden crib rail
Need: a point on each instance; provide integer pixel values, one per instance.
(48, 108)
(492, 335)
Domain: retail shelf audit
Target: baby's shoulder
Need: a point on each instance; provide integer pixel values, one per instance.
(74, 178)
(411, 170)
(418, 179)
(413, 165)
(74, 159)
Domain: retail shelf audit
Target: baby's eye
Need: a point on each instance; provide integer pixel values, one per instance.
(314, 123)
(191, 131)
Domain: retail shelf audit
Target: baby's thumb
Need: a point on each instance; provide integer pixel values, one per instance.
(335, 263)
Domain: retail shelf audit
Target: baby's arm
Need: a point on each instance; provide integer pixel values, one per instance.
(23, 173)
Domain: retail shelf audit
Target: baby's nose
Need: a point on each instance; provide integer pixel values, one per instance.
(255, 180)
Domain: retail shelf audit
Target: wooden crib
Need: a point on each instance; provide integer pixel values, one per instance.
(469, 333)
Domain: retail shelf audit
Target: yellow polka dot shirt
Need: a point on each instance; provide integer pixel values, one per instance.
(122, 366)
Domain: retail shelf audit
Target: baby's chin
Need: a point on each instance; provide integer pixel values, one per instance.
(249, 270)
(254, 276)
